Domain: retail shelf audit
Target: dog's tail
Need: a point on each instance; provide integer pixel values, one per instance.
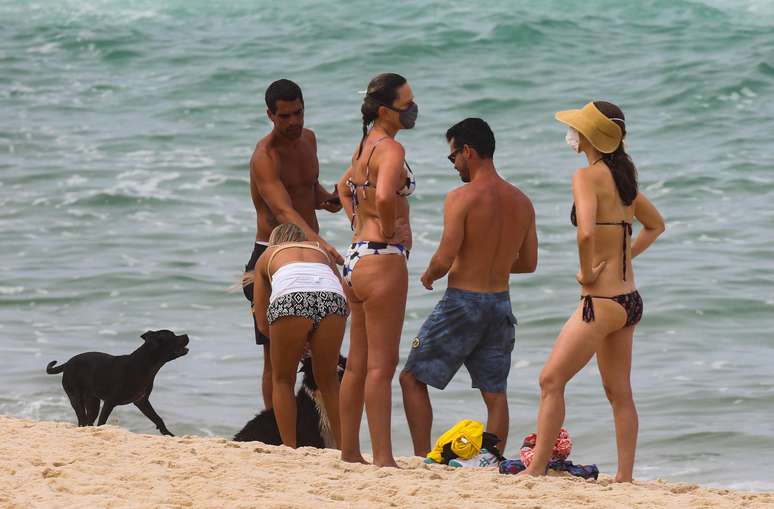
(51, 370)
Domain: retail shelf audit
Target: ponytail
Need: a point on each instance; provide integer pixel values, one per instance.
(370, 111)
(621, 165)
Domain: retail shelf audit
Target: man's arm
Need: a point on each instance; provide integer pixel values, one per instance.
(526, 258)
(345, 195)
(325, 200)
(265, 172)
(454, 212)
(322, 197)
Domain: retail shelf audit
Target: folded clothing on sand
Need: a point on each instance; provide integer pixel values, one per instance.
(558, 461)
(584, 471)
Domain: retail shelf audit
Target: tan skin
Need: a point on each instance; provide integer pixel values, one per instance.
(599, 249)
(379, 285)
(284, 187)
(289, 335)
(489, 233)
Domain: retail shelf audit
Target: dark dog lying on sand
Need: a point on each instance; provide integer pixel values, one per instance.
(118, 380)
(312, 426)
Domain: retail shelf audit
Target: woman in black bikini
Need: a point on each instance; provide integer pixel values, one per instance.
(606, 201)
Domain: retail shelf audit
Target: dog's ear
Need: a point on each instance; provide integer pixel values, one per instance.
(147, 335)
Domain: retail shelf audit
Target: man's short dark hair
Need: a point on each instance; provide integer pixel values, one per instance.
(282, 90)
(475, 133)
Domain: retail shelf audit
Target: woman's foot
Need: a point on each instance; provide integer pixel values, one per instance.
(531, 473)
(387, 464)
(353, 458)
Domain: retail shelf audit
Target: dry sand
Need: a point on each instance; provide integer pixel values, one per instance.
(54, 464)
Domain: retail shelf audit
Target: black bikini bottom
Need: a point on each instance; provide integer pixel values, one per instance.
(631, 302)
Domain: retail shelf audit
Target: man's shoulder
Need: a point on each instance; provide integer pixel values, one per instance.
(308, 135)
(514, 192)
(459, 195)
(264, 155)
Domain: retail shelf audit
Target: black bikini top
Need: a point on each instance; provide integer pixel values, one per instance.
(627, 231)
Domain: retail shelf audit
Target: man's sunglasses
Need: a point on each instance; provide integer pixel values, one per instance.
(453, 156)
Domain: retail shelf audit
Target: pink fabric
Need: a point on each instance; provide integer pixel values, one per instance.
(561, 451)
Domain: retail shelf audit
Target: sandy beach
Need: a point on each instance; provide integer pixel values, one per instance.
(56, 464)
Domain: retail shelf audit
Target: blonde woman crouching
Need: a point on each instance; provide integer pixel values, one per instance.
(298, 299)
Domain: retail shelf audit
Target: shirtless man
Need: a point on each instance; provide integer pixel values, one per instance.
(285, 188)
(488, 234)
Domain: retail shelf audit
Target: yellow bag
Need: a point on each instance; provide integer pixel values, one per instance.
(465, 438)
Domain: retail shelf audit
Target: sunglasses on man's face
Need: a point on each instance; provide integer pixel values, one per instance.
(453, 156)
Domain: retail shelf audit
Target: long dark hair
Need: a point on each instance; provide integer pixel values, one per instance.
(383, 89)
(620, 164)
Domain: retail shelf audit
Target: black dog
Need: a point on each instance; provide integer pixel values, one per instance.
(118, 380)
(312, 424)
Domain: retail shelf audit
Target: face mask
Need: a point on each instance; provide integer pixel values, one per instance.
(573, 139)
(408, 116)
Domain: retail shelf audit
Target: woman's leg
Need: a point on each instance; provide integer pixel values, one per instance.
(576, 344)
(384, 281)
(352, 392)
(326, 345)
(614, 359)
(288, 336)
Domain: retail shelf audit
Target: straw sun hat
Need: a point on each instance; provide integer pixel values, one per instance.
(604, 134)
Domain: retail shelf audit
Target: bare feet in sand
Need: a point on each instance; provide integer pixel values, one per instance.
(528, 472)
(390, 464)
(353, 458)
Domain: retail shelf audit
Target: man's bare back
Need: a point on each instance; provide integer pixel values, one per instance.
(498, 218)
(489, 233)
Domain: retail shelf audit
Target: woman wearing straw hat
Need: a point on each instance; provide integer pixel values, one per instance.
(606, 201)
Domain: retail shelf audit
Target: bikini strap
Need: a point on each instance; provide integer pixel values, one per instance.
(627, 230)
(588, 308)
(288, 245)
(409, 172)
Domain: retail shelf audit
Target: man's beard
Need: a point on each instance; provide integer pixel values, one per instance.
(293, 133)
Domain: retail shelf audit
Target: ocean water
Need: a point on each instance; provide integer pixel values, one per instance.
(126, 130)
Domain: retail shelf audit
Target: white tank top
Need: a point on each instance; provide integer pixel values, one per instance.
(304, 277)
